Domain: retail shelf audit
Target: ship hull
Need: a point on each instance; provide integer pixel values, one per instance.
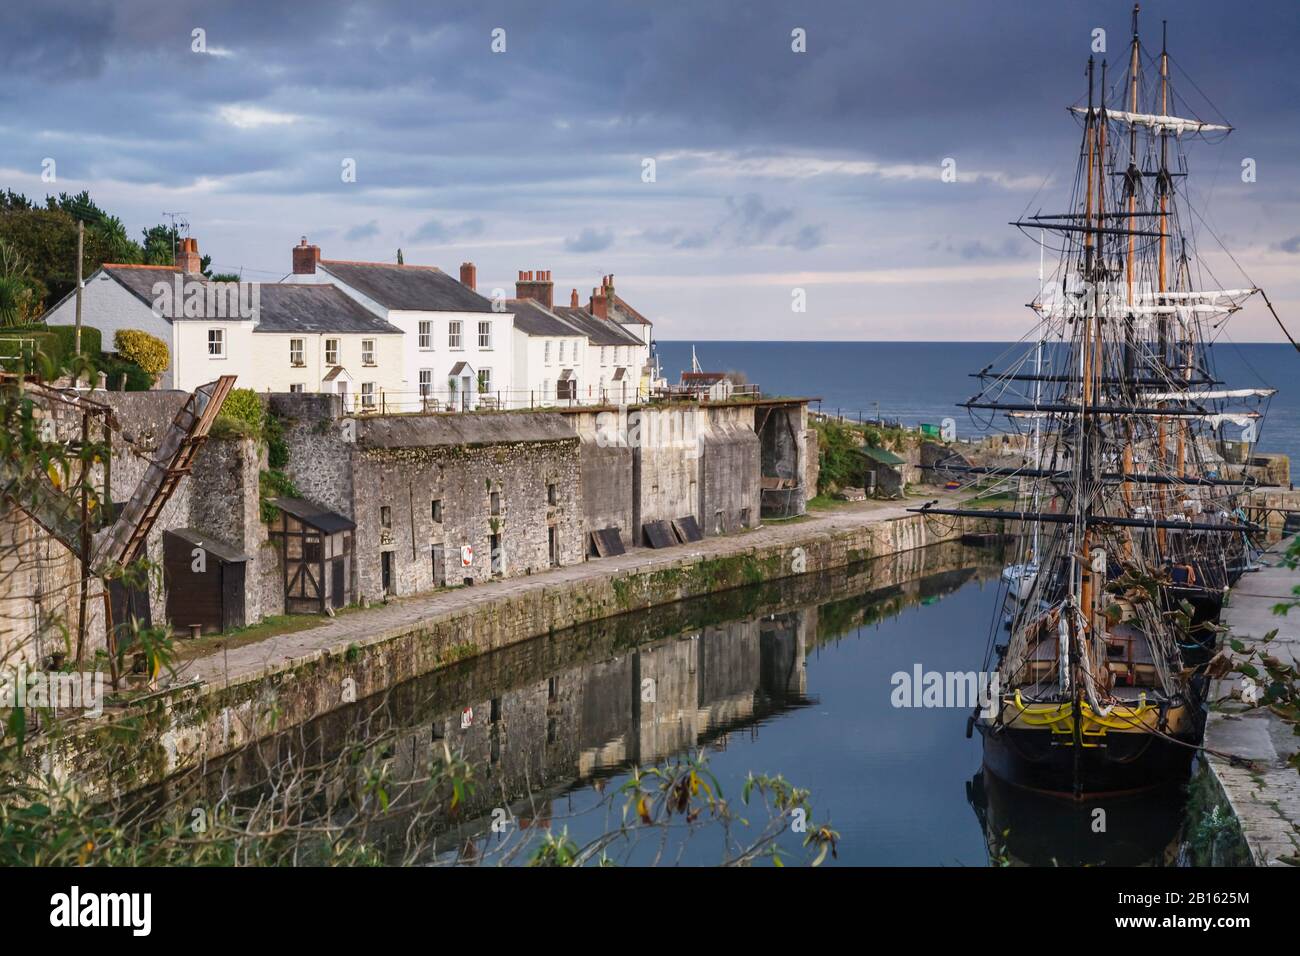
(1039, 761)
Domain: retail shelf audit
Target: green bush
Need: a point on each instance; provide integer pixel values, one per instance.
(145, 350)
(277, 449)
(116, 368)
(243, 404)
(54, 344)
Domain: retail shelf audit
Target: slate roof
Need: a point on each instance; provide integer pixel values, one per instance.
(881, 455)
(322, 519)
(630, 315)
(599, 331)
(139, 280)
(316, 308)
(533, 318)
(283, 307)
(407, 288)
(218, 549)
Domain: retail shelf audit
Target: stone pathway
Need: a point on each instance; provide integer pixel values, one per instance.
(1266, 799)
(402, 614)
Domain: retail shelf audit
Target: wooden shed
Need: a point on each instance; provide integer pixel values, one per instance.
(316, 554)
(205, 581)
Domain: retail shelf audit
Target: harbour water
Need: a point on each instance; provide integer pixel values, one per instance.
(795, 677)
(916, 382)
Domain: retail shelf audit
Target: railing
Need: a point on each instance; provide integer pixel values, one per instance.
(442, 400)
(17, 354)
(432, 401)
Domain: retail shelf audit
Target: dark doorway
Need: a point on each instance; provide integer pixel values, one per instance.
(553, 546)
(386, 572)
(338, 593)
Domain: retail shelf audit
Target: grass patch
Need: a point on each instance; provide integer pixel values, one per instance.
(273, 626)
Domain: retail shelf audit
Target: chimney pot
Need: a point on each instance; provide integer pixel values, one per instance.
(536, 284)
(573, 299)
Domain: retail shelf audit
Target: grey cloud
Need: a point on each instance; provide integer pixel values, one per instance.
(365, 231)
(438, 232)
(590, 240)
(1291, 245)
(807, 238)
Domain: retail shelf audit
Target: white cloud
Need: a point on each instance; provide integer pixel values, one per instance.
(254, 117)
(792, 166)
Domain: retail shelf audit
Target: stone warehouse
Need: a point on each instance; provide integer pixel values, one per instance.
(409, 503)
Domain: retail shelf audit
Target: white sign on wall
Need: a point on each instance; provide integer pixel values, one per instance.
(467, 555)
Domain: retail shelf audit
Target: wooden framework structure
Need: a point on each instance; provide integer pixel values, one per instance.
(317, 554)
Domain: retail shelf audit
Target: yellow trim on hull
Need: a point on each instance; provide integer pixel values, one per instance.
(1142, 717)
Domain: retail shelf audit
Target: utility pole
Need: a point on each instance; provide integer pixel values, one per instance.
(81, 239)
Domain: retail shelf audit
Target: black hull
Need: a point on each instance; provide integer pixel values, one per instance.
(1129, 763)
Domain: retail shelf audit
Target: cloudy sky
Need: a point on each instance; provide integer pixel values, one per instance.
(773, 169)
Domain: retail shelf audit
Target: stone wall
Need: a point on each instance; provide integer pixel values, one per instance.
(225, 503)
(729, 471)
(695, 460)
(509, 479)
(320, 446)
(605, 475)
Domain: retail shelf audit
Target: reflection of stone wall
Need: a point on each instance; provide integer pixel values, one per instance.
(587, 676)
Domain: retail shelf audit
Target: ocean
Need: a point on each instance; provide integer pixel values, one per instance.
(917, 382)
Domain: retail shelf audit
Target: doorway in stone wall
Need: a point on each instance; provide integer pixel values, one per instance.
(386, 572)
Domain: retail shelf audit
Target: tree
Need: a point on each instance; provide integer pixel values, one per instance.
(44, 239)
(20, 299)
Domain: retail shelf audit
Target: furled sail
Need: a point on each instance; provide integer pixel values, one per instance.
(1172, 124)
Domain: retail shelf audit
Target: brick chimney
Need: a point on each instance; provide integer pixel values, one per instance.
(469, 275)
(305, 258)
(188, 259)
(536, 286)
(573, 299)
(600, 300)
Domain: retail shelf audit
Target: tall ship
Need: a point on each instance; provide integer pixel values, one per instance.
(1131, 520)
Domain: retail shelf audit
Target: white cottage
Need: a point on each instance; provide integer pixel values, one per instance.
(458, 350)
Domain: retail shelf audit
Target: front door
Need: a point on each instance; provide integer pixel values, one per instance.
(386, 572)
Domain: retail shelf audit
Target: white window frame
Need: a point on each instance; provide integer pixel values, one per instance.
(546, 352)
(368, 352)
(483, 381)
(454, 328)
(367, 394)
(562, 351)
(297, 387)
(426, 382)
(485, 333)
(424, 332)
(603, 357)
(296, 352)
(219, 341)
(331, 351)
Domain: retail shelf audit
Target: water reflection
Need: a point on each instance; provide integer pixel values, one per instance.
(1024, 828)
(549, 719)
(786, 677)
